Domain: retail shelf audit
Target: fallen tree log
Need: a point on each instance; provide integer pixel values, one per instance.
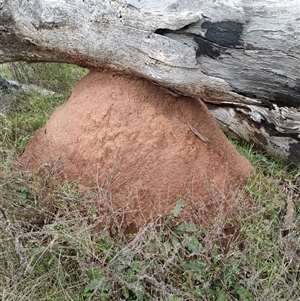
(240, 57)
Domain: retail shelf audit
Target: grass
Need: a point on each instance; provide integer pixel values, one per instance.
(56, 241)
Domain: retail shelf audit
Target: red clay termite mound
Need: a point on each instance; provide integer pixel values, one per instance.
(148, 147)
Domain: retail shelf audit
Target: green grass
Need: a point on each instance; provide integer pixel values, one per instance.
(56, 242)
(59, 78)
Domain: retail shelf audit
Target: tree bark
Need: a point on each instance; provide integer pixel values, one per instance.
(241, 57)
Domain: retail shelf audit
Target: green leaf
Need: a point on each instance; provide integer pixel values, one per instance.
(178, 208)
(194, 266)
(193, 245)
(92, 285)
(22, 195)
(175, 242)
(221, 295)
(186, 227)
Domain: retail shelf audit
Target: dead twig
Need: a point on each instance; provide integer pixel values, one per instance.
(201, 137)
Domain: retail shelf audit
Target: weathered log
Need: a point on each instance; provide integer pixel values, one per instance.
(240, 56)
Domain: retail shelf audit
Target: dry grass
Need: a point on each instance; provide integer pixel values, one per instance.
(56, 241)
(66, 251)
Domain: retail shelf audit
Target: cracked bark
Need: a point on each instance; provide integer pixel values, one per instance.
(240, 57)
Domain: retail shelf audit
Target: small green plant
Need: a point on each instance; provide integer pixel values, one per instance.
(97, 285)
(176, 212)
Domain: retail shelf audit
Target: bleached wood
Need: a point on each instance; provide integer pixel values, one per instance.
(239, 55)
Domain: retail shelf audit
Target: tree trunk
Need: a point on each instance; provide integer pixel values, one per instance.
(241, 57)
